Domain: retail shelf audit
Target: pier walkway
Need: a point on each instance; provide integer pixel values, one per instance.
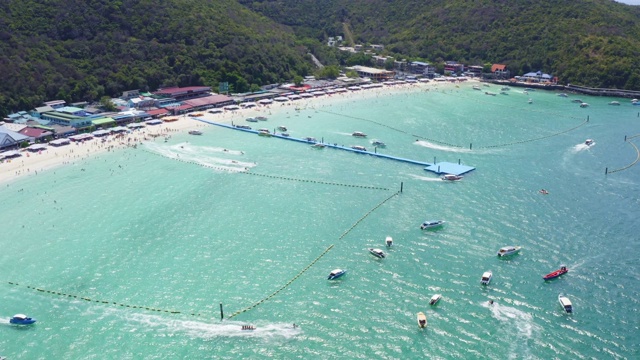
(438, 168)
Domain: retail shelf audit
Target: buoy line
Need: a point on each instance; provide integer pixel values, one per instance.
(244, 171)
(637, 157)
(313, 262)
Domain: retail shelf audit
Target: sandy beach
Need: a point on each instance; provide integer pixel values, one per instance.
(33, 163)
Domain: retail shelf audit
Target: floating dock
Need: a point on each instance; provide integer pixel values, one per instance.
(438, 168)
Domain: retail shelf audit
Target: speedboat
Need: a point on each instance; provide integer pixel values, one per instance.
(336, 274)
(359, 148)
(614, 103)
(247, 127)
(584, 105)
(451, 177)
(264, 132)
(505, 88)
(434, 299)
(389, 241)
(21, 319)
(543, 192)
(552, 275)
(476, 87)
(378, 143)
(195, 132)
(284, 134)
(310, 139)
(282, 128)
(248, 327)
(490, 93)
(251, 119)
(377, 253)
(566, 303)
(422, 320)
(486, 277)
(359, 134)
(530, 101)
(578, 101)
(508, 250)
(318, 146)
(589, 142)
(430, 224)
(563, 95)
(504, 93)
(261, 118)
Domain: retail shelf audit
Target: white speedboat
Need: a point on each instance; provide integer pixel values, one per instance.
(261, 118)
(430, 224)
(310, 139)
(476, 87)
(563, 95)
(359, 148)
(584, 105)
(486, 277)
(264, 132)
(508, 250)
(251, 119)
(577, 101)
(378, 143)
(589, 142)
(530, 101)
(614, 103)
(359, 134)
(195, 132)
(377, 253)
(422, 320)
(389, 241)
(318, 146)
(434, 299)
(451, 177)
(336, 273)
(566, 304)
(282, 128)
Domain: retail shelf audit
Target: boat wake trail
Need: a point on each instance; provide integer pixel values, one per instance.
(431, 145)
(580, 147)
(424, 178)
(202, 155)
(204, 330)
(516, 324)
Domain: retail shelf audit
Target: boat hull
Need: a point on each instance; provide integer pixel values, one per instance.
(422, 320)
(555, 274)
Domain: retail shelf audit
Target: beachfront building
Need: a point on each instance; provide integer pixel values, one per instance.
(500, 71)
(419, 67)
(55, 104)
(537, 77)
(10, 139)
(66, 119)
(373, 73)
(453, 67)
(103, 122)
(474, 70)
(36, 134)
(184, 93)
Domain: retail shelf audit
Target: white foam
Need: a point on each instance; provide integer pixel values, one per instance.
(202, 155)
(518, 320)
(431, 145)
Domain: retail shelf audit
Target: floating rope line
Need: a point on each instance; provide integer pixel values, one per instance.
(312, 263)
(534, 139)
(637, 157)
(79, 297)
(245, 171)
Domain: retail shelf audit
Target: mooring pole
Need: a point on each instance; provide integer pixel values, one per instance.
(401, 186)
(458, 161)
(221, 312)
(606, 171)
(587, 118)
(470, 146)
(625, 138)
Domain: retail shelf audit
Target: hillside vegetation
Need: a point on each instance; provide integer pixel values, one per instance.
(588, 42)
(84, 49)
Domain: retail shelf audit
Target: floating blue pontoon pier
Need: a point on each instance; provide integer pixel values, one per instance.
(438, 168)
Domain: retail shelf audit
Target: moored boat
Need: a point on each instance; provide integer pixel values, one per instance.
(565, 303)
(264, 132)
(359, 134)
(486, 277)
(508, 250)
(554, 274)
(563, 95)
(430, 224)
(614, 103)
(246, 127)
(261, 118)
(21, 319)
(282, 128)
(434, 299)
(318, 146)
(476, 87)
(359, 148)
(389, 241)
(377, 253)
(378, 143)
(195, 132)
(251, 119)
(422, 320)
(451, 177)
(336, 273)
(310, 139)
(584, 105)
(578, 101)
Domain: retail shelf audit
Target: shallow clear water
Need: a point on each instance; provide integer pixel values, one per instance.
(155, 238)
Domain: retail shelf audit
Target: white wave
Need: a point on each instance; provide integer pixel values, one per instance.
(200, 155)
(514, 319)
(424, 178)
(431, 145)
(207, 330)
(581, 147)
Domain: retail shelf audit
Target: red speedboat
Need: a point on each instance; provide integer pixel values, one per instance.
(563, 270)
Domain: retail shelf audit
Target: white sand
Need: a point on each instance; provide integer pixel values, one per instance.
(34, 163)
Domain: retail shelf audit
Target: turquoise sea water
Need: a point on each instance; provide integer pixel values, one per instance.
(155, 238)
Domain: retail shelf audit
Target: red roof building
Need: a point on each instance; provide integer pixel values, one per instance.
(184, 93)
(35, 133)
(498, 67)
(157, 112)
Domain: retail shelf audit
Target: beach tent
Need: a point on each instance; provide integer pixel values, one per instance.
(99, 133)
(10, 154)
(37, 147)
(60, 142)
(265, 101)
(135, 126)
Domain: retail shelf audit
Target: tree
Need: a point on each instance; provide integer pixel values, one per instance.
(298, 80)
(107, 104)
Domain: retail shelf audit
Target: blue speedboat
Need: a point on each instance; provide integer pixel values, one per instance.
(336, 274)
(22, 319)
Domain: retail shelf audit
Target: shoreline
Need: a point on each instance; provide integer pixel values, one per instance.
(33, 163)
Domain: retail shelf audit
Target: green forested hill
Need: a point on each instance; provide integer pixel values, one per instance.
(83, 49)
(588, 42)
